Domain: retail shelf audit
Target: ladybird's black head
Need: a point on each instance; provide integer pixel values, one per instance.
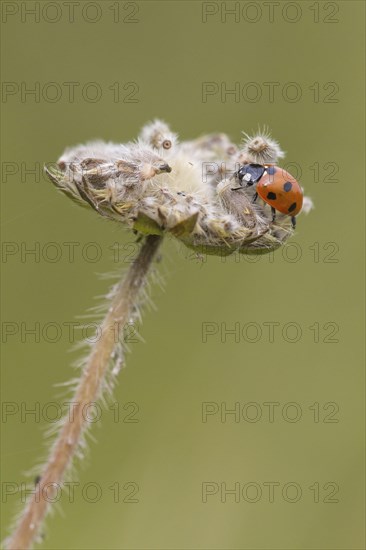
(250, 173)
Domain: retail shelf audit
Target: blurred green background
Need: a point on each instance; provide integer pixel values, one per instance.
(169, 52)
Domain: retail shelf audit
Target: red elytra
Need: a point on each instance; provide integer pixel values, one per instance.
(280, 190)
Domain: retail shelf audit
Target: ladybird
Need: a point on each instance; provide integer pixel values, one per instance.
(275, 186)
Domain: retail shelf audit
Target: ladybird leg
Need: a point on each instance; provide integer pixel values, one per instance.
(236, 188)
(293, 221)
(255, 197)
(273, 214)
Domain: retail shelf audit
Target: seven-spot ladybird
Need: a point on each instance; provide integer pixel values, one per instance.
(275, 186)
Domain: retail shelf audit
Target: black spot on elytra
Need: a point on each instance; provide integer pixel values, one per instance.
(271, 170)
(287, 186)
(292, 207)
(271, 196)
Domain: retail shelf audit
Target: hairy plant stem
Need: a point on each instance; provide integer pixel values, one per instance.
(88, 390)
